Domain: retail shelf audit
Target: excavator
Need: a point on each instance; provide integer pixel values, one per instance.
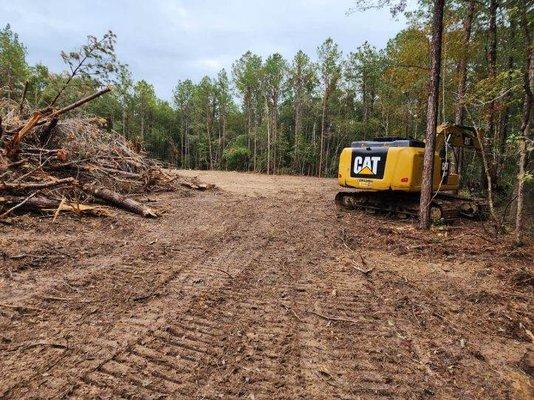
(385, 174)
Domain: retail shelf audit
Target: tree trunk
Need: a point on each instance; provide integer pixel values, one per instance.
(255, 145)
(314, 144)
(462, 64)
(208, 136)
(210, 154)
(13, 186)
(124, 122)
(223, 142)
(432, 113)
(327, 152)
(274, 128)
(142, 126)
(364, 100)
(461, 69)
(187, 151)
(321, 146)
(486, 171)
(296, 139)
(501, 149)
(248, 112)
(182, 141)
(492, 71)
(268, 141)
(528, 83)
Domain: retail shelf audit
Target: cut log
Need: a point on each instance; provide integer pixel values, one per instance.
(44, 203)
(191, 185)
(36, 202)
(5, 214)
(120, 201)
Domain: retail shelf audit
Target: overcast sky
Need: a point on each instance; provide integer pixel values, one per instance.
(166, 40)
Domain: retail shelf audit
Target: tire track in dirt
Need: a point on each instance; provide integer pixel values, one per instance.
(353, 348)
(179, 355)
(173, 358)
(256, 298)
(182, 284)
(361, 355)
(232, 340)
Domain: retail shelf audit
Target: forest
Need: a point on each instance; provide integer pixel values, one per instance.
(293, 116)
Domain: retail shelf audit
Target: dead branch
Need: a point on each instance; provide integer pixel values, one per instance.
(38, 167)
(5, 214)
(366, 272)
(194, 186)
(37, 344)
(329, 318)
(225, 272)
(36, 202)
(56, 213)
(15, 164)
(4, 186)
(289, 309)
(12, 146)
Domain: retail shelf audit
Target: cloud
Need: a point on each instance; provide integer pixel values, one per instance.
(167, 40)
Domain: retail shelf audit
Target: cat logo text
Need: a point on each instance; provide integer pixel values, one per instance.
(366, 165)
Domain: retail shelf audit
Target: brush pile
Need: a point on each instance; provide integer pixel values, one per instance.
(74, 164)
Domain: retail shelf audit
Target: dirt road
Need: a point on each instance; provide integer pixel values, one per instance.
(261, 290)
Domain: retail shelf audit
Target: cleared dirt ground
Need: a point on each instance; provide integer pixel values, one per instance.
(261, 290)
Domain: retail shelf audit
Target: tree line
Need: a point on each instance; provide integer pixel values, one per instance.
(294, 115)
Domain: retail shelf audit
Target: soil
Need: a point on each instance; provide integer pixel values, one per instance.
(262, 289)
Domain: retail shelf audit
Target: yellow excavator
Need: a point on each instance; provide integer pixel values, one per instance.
(384, 175)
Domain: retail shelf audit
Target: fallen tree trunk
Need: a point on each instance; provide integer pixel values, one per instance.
(120, 201)
(79, 102)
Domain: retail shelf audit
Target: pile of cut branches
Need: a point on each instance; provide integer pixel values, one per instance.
(73, 164)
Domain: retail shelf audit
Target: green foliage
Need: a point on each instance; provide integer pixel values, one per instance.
(329, 63)
(96, 59)
(236, 158)
(270, 114)
(13, 67)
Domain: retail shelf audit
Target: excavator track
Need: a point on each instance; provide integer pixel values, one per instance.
(444, 207)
